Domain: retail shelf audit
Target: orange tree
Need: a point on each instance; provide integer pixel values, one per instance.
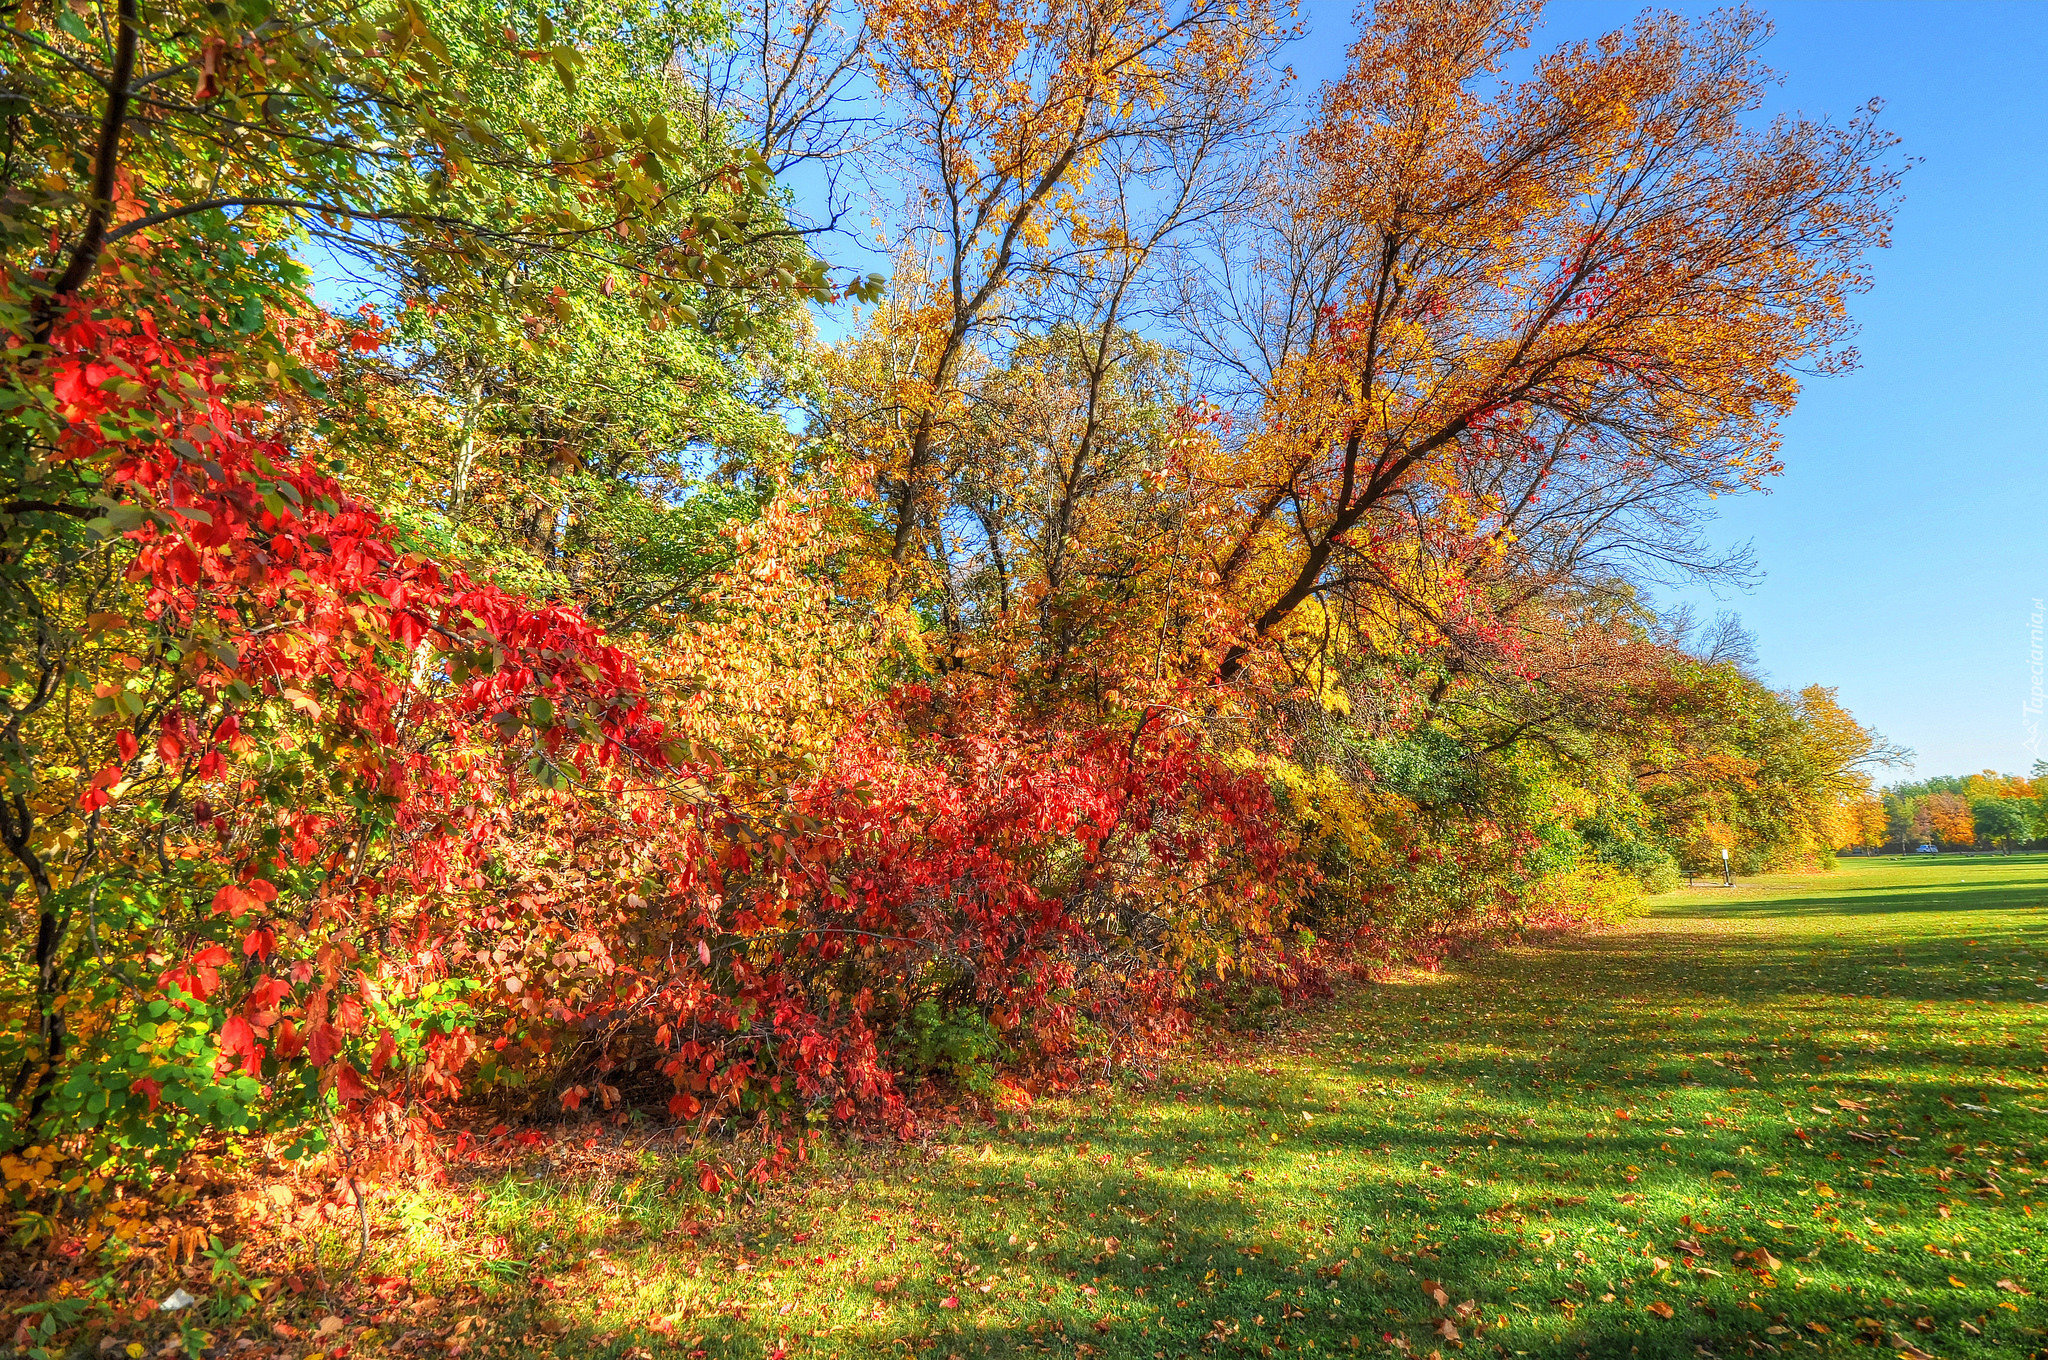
(1604, 278)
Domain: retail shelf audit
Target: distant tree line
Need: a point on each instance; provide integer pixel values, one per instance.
(1983, 811)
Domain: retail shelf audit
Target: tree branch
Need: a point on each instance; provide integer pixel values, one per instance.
(85, 257)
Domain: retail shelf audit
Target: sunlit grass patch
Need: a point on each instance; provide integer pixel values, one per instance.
(1778, 1119)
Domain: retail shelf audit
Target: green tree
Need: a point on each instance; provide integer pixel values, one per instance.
(592, 450)
(2003, 822)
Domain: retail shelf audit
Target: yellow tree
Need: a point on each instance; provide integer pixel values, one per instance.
(1860, 823)
(1006, 112)
(1841, 752)
(1609, 268)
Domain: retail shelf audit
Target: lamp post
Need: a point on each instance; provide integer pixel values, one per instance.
(1727, 870)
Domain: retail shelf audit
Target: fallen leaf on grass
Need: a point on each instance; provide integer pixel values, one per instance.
(2010, 1287)
(1908, 1349)
(1436, 1293)
(1660, 1308)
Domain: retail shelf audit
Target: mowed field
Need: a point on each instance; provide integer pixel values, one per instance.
(1804, 1114)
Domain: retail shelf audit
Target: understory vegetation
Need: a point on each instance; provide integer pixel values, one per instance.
(1802, 1115)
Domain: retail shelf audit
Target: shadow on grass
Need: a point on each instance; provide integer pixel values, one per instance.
(1306, 1268)
(1619, 1116)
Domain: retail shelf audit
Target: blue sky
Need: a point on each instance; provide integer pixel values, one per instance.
(1907, 540)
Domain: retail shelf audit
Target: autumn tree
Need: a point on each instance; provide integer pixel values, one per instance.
(233, 693)
(1007, 113)
(1865, 826)
(1605, 278)
(1949, 819)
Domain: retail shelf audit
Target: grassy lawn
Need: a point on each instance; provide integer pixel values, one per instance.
(1807, 1113)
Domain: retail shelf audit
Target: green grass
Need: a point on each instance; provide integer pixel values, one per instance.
(1550, 1132)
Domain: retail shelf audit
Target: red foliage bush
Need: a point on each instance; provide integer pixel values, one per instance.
(426, 836)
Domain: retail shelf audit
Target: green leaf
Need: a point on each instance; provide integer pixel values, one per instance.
(564, 60)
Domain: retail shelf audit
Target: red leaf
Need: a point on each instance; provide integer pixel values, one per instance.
(236, 1037)
(322, 1043)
